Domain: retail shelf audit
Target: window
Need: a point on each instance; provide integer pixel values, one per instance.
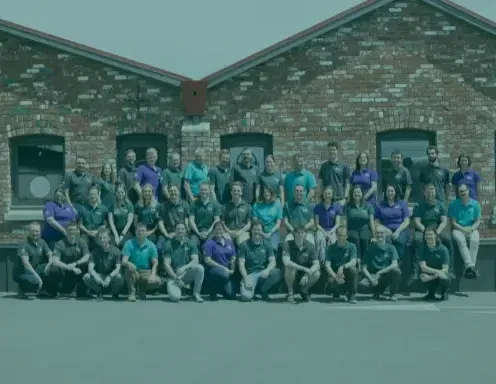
(37, 168)
(260, 144)
(412, 144)
(140, 142)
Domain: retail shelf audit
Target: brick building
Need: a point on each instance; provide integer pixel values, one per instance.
(382, 75)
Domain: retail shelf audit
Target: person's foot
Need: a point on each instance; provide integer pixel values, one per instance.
(99, 297)
(305, 297)
(213, 297)
(393, 298)
(444, 296)
(336, 296)
(376, 296)
(470, 273)
(142, 295)
(290, 298)
(131, 298)
(21, 295)
(197, 298)
(429, 297)
(115, 296)
(352, 299)
(265, 296)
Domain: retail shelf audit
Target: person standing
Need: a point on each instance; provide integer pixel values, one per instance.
(172, 175)
(336, 175)
(120, 217)
(299, 176)
(435, 174)
(365, 177)
(92, 216)
(128, 171)
(272, 178)
(327, 220)
(77, 185)
(466, 175)
(219, 177)
(268, 211)
(246, 173)
(298, 213)
(237, 215)
(204, 214)
(57, 214)
(399, 177)
(148, 174)
(107, 184)
(195, 173)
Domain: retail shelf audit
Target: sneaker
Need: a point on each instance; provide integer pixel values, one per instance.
(336, 296)
(429, 297)
(352, 299)
(290, 298)
(197, 298)
(213, 297)
(142, 294)
(21, 295)
(305, 297)
(393, 298)
(444, 296)
(131, 298)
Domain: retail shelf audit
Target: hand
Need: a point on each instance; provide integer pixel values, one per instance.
(149, 233)
(373, 240)
(341, 272)
(424, 278)
(389, 232)
(46, 271)
(339, 279)
(77, 271)
(395, 235)
(267, 235)
(228, 271)
(106, 282)
(131, 267)
(304, 280)
(118, 239)
(342, 202)
(467, 230)
(181, 271)
(442, 275)
(93, 233)
(374, 280)
(203, 235)
(179, 282)
(264, 274)
(171, 235)
(248, 283)
(152, 278)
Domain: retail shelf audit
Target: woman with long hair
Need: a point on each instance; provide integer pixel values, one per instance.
(107, 182)
(268, 210)
(57, 214)
(365, 177)
(146, 212)
(327, 220)
(121, 214)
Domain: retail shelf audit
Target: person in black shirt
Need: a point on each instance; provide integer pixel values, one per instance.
(399, 177)
(434, 265)
(435, 174)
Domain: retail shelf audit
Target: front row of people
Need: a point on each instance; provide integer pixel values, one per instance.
(144, 268)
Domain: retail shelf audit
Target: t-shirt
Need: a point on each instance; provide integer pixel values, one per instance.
(304, 178)
(126, 176)
(465, 214)
(146, 174)
(267, 214)
(256, 255)
(172, 214)
(470, 178)
(399, 178)
(273, 180)
(305, 255)
(340, 255)
(379, 256)
(435, 257)
(327, 216)
(93, 217)
(69, 252)
(140, 255)
(219, 178)
(147, 214)
(237, 216)
(438, 176)
(429, 214)
(120, 213)
(195, 174)
(79, 185)
(391, 216)
(105, 260)
(298, 213)
(205, 213)
(218, 252)
(336, 175)
(37, 252)
(63, 214)
(358, 216)
(247, 176)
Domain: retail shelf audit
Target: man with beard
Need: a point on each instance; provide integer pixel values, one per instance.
(127, 172)
(172, 175)
(77, 185)
(299, 176)
(336, 175)
(399, 177)
(246, 174)
(172, 211)
(204, 214)
(219, 179)
(435, 174)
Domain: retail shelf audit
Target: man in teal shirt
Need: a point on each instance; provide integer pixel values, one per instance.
(195, 173)
(140, 258)
(299, 176)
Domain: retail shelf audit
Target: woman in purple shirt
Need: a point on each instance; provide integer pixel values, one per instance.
(394, 215)
(57, 214)
(220, 260)
(365, 177)
(327, 220)
(466, 175)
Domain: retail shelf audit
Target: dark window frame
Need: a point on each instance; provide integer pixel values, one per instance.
(141, 140)
(249, 139)
(27, 140)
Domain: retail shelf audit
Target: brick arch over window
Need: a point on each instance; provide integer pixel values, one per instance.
(261, 144)
(412, 143)
(140, 142)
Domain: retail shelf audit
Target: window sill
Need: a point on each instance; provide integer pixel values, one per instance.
(20, 214)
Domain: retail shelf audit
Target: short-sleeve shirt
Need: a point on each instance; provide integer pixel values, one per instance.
(268, 214)
(273, 180)
(140, 255)
(429, 214)
(327, 216)
(435, 257)
(146, 174)
(120, 212)
(305, 255)
(36, 251)
(399, 178)
(391, 216)
(69, 252)
(147, 214)
(379, 256)
(126, 176)
(358, 216)
(304, 178)
(439, 176)
(256, 255)
(247, 176)
(298, 214)
(219, 178)
(364, 179)
(79, 185)
(195, 174)
(340, 255)
(172, 177)
(470, 178)
(63, 214)
(222, 254)
(205, 213)
(237, 216)
(335, 175)
(105, 260)
(93, 217)
(179, 252)
(465, 214)
(172, 214)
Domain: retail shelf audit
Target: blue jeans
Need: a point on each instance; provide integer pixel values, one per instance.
(219, 281)
(28, 283)
(400, 243)
(260, 284)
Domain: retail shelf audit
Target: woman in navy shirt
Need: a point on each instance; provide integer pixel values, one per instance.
(466, 175)
(395, 216)
(327, 220)
(57, 214)
(365, 177)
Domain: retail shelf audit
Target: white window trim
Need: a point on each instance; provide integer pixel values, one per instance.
(22, 214)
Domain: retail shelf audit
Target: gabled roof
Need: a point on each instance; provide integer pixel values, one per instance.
(335, 22)
(106, 58)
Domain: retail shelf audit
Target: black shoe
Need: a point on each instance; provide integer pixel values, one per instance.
(336, 296)
(305, 297)
(429, 297)
(115, 296)
(376, 296)
(213, 297)
(290, 298)
(444, 296)
(99, 297)
(265, 297)
(471, 273)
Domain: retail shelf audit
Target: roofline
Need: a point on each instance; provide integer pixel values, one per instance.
(337, 21)
(103, 57)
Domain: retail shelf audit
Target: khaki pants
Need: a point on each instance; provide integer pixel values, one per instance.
(194, 274)
(468, 245)
(142, 280)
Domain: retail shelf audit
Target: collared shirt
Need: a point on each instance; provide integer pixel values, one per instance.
(470, 178)
(399, 178)
(93, 217)
(435, 257)
(465, 214)
(172, 214)
(340, 255)
(304, 178)
(256, 255)
(37, 252)
(358, 216)
(379, 256)
(146, 174)
(205, 213)
(105, 260)
(120, 212)
(140, 255)
(147, 214)
(220, 253)
(327, 216)
(69, 252)
(79, 185)
(172, 177)
(126, 176)
(429, 214)
(219, 178)
(298, 213)
(336, 175)
(391, 216)
(268, 214)
(179, 252)
(63, 214)
(305, 255)
(364, 178)
(195, 174)
(439, 176)
(236, 216)
(247, 176)
(273, 180)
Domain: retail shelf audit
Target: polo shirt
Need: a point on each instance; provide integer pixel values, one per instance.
(126, 176)
(79, 185)
(364, 179)
(172, 177)
(305, 255)
(37, 252)
(336, 175)
(220, 253)
(146, 174)
(399, 178)
(247, 176)
(379, 256)
(470, 178)
(465, 214)
(339, 255)
(256, 255)
(205, 213)
(107, 192)
(267, 214)
(140, 255)
(93, 217)
(219, 178)
(69, 252)
(273, 180)
(63, 214)
(429, 214)
(179, 252)
(196, 174)
(172, 214)
(304, 178)
(391, 216)
(298, 213)
(147, 214)
(327, 216)
(236, 216)
(358, 216)
(120, 213)
(105, 260)
(435, 257)
(439, 176)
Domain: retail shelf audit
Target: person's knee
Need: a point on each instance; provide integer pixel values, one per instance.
(198, 269)
(353, 270)
(87, 278)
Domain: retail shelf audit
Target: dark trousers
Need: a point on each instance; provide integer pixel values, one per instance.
(391, 279)
(219, 281)
(28, 283)
(361, 239)
(440, 285)
(419, 244)
(62, 281)
(350, 282)
(400, 243)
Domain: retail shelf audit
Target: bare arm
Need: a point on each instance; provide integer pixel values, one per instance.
(189, 193)
(442, 224)
(418, 224)
(112, 224)
(393, 265)
(371, 191)
(408, 190)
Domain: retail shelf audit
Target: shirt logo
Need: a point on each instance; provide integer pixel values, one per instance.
(468, 177)
(440, 173)
(397, 177)
(209, 208)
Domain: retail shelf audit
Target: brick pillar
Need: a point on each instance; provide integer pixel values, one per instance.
(193, 136)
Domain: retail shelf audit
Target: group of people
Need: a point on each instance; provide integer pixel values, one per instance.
(216, 230)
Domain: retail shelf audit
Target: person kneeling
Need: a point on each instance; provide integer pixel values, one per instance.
(104, 267)
(434, 266)
(300, 261)
(341, 265)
